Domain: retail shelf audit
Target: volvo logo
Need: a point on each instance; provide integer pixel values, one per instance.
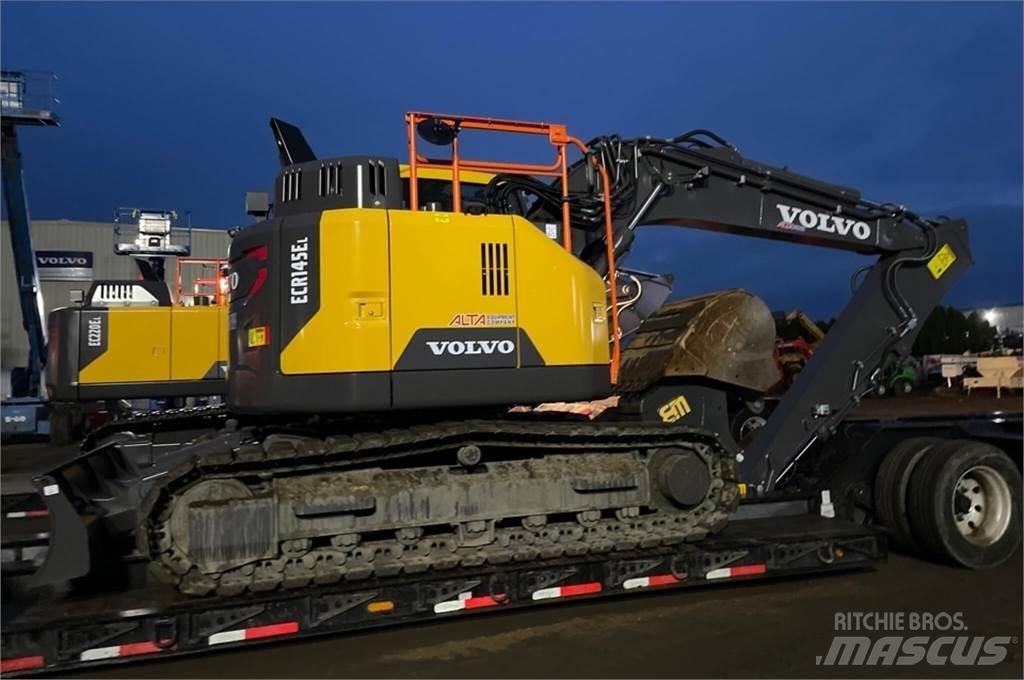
(801, 219)
(62, 261)
(460, 347)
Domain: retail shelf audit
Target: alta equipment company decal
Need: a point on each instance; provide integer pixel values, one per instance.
(468, 320)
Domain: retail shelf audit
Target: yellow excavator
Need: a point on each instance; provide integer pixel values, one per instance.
(134, 339)
(378, 337)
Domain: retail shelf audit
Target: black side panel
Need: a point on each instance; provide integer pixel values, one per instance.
(689, 403)
(458, 348)
(298, 263)
(253, 257)
(62, 349)
(480, 387)
(155, 390)
(92, 342)
(366, 392)
(251, 392)
(528, 353)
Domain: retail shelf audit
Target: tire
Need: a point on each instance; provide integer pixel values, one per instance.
(937, 484)
(892, 482)
(903, 387)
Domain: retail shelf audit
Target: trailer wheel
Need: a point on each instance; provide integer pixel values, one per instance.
(891, 488)
(965, 504)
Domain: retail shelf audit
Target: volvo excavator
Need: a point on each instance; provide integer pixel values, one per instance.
(379, 342)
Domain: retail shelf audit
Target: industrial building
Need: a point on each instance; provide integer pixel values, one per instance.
(69, 255)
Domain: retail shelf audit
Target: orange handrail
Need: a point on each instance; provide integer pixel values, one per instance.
(217, 283)
(556, 135)
(559, 138)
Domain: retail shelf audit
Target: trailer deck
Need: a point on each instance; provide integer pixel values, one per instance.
(156, 621)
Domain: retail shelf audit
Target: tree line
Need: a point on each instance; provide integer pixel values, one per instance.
(947, 330)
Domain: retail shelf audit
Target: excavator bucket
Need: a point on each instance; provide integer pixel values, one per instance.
(727, 337)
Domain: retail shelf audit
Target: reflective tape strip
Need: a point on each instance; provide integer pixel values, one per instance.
(256, 633)
(649, 581)
(467, 601)
(20, 663)
(733, 572)
(117, 651)
(566, 591)
(27, 513)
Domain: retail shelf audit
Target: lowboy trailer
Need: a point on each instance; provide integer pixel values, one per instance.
(796, 533)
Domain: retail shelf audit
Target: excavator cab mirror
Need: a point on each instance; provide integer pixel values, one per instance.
(436, 131)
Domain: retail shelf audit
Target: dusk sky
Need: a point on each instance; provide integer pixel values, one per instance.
(166, 106)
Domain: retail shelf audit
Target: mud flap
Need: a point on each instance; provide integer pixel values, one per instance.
(68, 555)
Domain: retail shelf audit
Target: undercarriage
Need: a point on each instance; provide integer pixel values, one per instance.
(286, 510)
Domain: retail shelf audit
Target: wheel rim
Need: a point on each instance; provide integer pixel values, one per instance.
(982, 505)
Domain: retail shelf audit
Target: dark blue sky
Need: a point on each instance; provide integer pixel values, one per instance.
(166, 105)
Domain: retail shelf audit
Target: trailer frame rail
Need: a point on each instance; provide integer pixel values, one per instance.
(155, 622)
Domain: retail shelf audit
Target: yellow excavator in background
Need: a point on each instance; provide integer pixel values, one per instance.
(137, 340)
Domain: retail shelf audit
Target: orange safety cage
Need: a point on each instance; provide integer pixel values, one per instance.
(559, 138)
(218, 282)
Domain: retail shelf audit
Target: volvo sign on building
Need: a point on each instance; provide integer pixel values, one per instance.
(64, 265)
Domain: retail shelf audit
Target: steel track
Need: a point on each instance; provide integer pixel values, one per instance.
(346, 557)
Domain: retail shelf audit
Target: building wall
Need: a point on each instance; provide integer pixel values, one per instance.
(95, 237)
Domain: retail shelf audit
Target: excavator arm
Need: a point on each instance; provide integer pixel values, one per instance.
(697, 180)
